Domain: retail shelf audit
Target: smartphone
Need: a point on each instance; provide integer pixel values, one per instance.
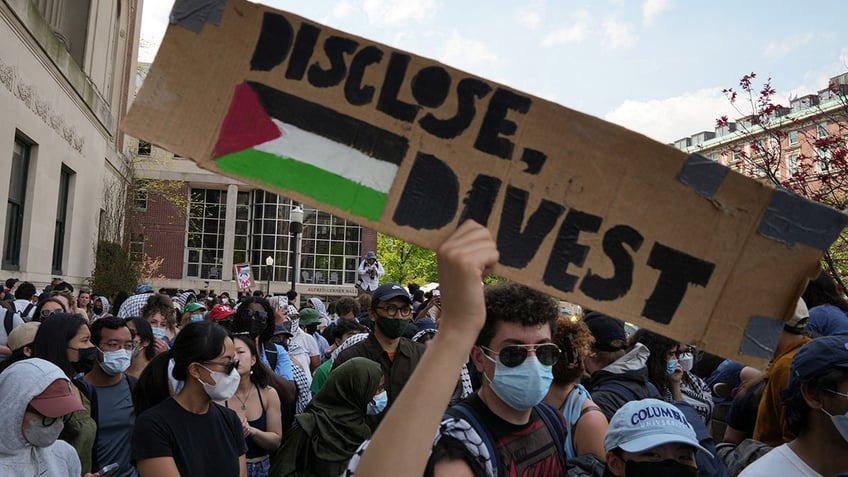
(109, 470)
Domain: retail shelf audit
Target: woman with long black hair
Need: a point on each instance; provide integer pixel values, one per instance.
(189, 434)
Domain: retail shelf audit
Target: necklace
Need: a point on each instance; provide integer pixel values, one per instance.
(244, 401)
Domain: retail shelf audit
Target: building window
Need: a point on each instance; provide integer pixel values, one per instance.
(15, 206)
(207, 216)
(821, 129)
(270, 236)
(330, 249)
(824, 156)
(141, 198)
(143, 148)
(792, 164)
(793, 137)
(65, 177)
(136, 247)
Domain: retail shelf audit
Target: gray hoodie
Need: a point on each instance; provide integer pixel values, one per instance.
(19, 383)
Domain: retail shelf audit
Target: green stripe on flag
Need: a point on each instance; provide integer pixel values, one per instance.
(289, 174)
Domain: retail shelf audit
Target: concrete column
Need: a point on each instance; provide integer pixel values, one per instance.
(52, 11)
(229, 232)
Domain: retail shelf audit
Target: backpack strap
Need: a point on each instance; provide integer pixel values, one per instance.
(26, 311)
(463, 410)
(7, 323)
(271, 354)
(553, 420)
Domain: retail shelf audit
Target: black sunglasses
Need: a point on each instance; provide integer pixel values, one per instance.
(513, 355)
(259, 315)
(229, 367)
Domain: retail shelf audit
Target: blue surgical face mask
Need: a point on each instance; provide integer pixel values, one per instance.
(197, 317)
(522, 386)
(116, 362)
(840, 421)
(158, 333)
(377, 404)
(670, 367)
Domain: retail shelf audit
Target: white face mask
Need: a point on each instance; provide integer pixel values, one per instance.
(687, 361)
(40, 435)
(116, 362)
(225, 384)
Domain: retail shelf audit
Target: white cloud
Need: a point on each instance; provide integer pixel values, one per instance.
(574, 33)
(781, 48)
(617, 35)
(651, 9)
(397, 13)
(343, 9)
(528, 17)
(154, 22)
(670, 119)
(470, 55)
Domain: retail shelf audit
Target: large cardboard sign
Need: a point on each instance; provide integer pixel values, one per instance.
(582, 209)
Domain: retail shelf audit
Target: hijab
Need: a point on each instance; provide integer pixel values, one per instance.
(334, 423)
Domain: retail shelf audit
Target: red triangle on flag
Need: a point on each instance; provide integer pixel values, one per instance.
(245, 125)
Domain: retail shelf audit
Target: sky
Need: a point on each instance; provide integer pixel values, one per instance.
(657, 67)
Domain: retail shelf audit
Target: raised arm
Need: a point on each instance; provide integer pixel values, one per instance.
(464, 259)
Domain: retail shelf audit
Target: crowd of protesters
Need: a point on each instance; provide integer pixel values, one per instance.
(461, 381)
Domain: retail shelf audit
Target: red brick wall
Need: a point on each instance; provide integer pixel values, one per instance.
(164, 227)
(369, 241)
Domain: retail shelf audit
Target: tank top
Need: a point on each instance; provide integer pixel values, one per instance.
(254, 450)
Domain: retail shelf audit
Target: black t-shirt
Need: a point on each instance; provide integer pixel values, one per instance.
(202, 445)
(525, 449)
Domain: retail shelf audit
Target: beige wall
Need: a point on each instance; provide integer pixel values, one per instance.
(68, 116)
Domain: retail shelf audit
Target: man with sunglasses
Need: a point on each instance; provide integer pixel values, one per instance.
(391, 310)
(514, 354)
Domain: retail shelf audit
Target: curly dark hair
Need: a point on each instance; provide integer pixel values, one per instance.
(516, 303)
(575, 341)
(797, 411)
(164, 305)
(659, 346)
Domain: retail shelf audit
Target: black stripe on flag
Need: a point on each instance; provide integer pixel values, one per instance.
(333, 125)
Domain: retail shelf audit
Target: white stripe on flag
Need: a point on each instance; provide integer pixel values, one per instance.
(345, 161)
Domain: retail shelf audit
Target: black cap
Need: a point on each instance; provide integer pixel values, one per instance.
(387, 291)
(816, 357)
(283, 328)
(11, 282)
(608, 332)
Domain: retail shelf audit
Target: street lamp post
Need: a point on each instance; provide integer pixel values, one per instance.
(295, 227)
(269, 263)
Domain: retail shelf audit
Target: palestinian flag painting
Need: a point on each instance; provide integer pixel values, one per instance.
(273, 138)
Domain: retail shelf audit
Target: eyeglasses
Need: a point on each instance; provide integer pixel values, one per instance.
(115, 345)
(45, 421)
(513, 355)
(392, 310)
(228, 367)
(689, 350)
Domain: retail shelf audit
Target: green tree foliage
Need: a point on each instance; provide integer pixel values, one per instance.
(113, 270)
(405, 262)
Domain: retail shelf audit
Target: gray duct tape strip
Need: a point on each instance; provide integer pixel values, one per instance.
(193, 14)
(703, 175)
(791, 218)
(760, 337)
